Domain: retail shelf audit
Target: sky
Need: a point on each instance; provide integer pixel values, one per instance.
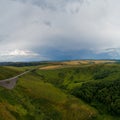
(37, 30)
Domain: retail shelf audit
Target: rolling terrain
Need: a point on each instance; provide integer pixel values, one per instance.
(72, 90)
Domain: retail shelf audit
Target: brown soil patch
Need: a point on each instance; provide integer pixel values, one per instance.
(87, 62)
(51, 67)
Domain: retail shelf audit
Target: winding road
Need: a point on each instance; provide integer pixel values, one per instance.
(11, 82)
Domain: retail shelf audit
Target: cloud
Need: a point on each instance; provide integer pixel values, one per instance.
(18, 52)
(66, 26)
(21, 55)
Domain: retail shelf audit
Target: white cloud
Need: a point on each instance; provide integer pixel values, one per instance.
(22, 53)
(17, 52)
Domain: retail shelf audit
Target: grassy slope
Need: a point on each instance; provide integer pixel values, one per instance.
(10, 71)
(7, 72)
(69, 78)
(65, 76)
(34, 99)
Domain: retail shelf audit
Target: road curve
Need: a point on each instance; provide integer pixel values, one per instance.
(11, 82)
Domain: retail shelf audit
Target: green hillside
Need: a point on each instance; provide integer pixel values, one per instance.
(98, 85)
(82, 92)
(75, 76)
(33, 99)
(7, 72)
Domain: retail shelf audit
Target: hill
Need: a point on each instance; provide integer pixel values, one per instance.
(63, 91)
(8, 72)
(32, 99)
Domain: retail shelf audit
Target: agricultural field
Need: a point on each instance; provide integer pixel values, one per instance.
(70, 90)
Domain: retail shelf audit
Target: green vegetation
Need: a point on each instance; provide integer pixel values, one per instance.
(23, 64)
(84, 92)
(6, 72)
(98, 85)
(32, 99)
(101, 93)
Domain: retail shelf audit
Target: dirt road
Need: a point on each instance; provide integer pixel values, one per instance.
(11, 82)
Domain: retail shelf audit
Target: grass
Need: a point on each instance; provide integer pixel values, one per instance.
(73, 76)
(6, 72)
(34, 99)
(69, 78)
(45, 94)
(11, 71)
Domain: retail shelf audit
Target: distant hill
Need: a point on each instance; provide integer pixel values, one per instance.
(22, 64)
(35, 63)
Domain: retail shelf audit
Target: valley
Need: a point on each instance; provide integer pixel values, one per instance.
(67, 90)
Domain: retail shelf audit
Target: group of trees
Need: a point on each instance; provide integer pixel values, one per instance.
(101, 92)
(22, 64)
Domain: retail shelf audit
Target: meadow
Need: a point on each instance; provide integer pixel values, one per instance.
(63, 91)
